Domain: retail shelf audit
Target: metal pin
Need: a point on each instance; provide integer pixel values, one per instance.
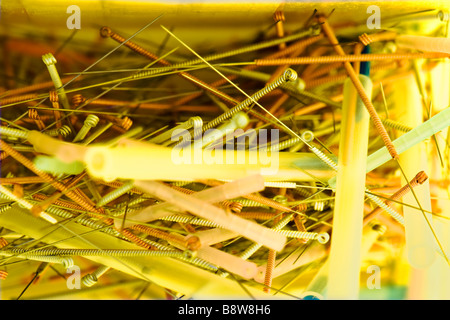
(50, 62)
(90, 122)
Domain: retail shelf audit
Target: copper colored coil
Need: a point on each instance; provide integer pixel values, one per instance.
(279, 18)
(367, 39)
(58, 185)
(260, 199)
(302, 207)
(192, 244)
(36, 49)
(420, 178)
(3, 155)
(293, 47)
(77, 100)
(300, 227)
(33, 114)
(107, 32)
(234, 206)
(257, 215)
(326, 69)
(3, 242)
(319, 81)
(3, 274)
(351, 58)
(342, 76)
(357, 51)
(271, 259)
(153, 106)
(54, 99)
(270, 266)
(21, 180)
(268, 202)
(61, 203)
(118, 184)
(36, 87)
(17, 99)
(264, 119)
(360, 89)
(126, 123)
(137, 240)
(318, 51)
(316, 106)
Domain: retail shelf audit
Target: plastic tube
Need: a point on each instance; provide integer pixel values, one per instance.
(213, 236)
(415, 136)
(286, 264)
(163, 271)
(55, 166)
(350, 190)
(371, 232)
(229, 262)
(246, 228)
(234, 189)
(64, 151)
(161, 163)
(424, 43)
(419, 239)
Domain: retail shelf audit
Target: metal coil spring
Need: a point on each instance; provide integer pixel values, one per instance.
(247, 253)
(33, 114)
(11, 132)
(392, 212)
(198, 262)
(249, 203)
(60, 186)
(5, 208)
(92, 278)
(67, 262)
(396, 125)
(77, 100)
(444, 16)
(48, 59)
(320, 205)
(91, 120)
(17, 99)
(89, 280)
(107, 32)
(309, 32)
(56, 252)
(288, 75)
(64, 131)
(303, 192)
(235, 207)
(190, 220)
(320, 237)
(136, 239)
(126, 123)
(115, 194)
(3, 242)
(197, 124)
(322, 156)
(3, 274)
